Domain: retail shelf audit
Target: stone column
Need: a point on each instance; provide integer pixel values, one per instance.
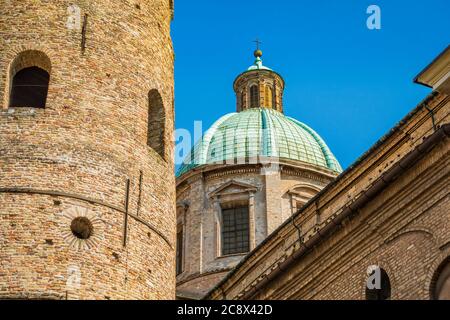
(271, 172)
(217, 227)
(252, 224)
(194, 226)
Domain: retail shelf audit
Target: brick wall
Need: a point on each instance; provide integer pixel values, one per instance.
(75, 156)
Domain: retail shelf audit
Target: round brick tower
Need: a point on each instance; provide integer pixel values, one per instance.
(87, 196)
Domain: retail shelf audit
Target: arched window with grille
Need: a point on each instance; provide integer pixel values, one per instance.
(156, 123)
(29, 78)
(254, 96)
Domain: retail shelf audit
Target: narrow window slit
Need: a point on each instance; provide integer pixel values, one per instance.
(83, 34)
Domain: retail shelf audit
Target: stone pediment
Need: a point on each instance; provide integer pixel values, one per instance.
(233, 187)
(306, 190)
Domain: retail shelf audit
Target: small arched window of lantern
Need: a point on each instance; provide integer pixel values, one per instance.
(29, 77)
(268, 97)
(440, 285)
(254, 96)
(156, 123)
(378, 285)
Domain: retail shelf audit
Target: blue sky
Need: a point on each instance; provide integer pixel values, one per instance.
(347, 82)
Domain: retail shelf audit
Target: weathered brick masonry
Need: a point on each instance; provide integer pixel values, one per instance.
(74, 157)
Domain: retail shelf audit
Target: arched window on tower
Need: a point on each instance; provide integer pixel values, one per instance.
(440, 286)
(378, 286)
(156, 123)
(254, 97)
(268, 97)
(29, 76)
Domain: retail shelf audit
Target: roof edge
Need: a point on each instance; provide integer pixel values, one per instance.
(428, 68)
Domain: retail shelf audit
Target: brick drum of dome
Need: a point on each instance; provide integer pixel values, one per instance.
(70, 228)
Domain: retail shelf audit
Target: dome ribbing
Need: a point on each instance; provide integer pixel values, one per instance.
(260, 132)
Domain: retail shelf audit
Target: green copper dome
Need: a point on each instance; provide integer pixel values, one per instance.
(259, 132)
